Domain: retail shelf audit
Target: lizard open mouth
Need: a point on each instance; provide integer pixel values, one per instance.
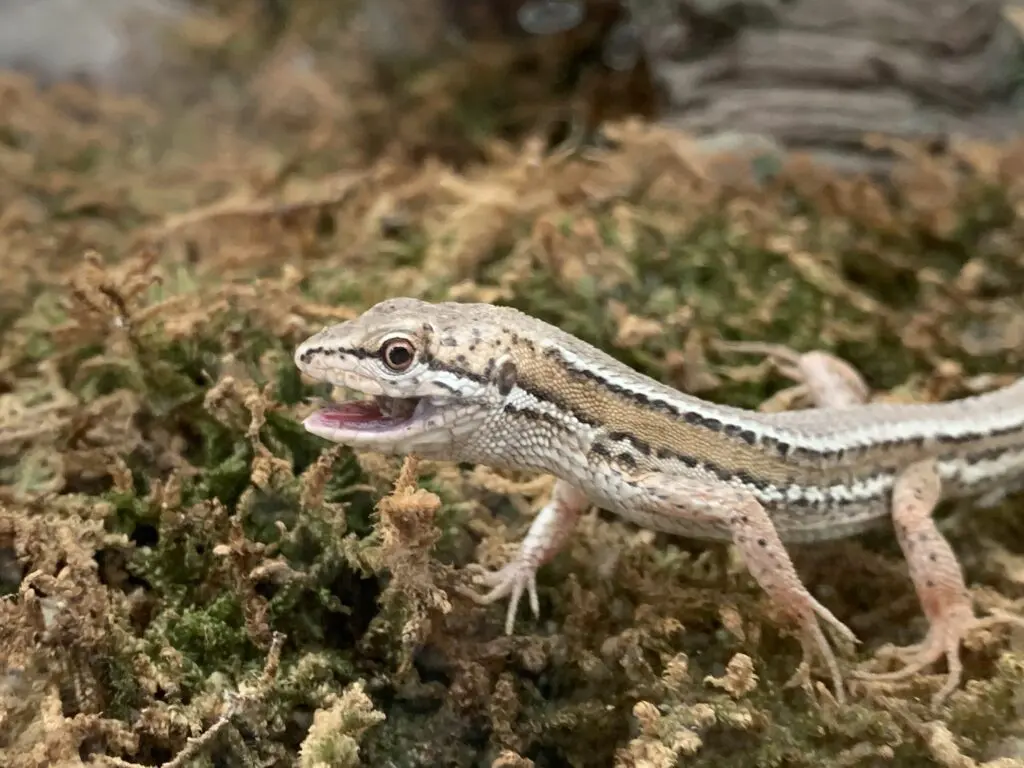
(379, 412)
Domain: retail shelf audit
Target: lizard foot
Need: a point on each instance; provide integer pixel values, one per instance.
(547, 535)
(813, 642)
(938, 580)
(822, 379)
(944, 638)
(509, 581)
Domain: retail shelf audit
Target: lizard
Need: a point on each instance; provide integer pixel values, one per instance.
(488, 384)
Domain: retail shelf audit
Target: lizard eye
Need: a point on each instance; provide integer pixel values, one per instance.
(397, 354)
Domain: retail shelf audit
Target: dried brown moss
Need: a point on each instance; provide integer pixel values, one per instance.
(163, 516)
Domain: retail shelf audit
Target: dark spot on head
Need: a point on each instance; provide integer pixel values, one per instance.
(448, 341)
(505, 377)
(762, 543)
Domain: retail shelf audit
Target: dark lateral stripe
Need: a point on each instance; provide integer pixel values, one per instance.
(966, 438)
(977, 457)
(558, 402)
(532, 414)
(356, 352)
(437, 365)
(604, 451)
(535, 392)
(756, 485)
(750, 437)
(691, 417)
(651, 403)
(725, 475)
(780, 447)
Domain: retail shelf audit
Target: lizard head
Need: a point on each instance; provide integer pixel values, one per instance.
(432, 374)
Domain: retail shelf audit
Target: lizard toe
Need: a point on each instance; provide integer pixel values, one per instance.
(510, 581)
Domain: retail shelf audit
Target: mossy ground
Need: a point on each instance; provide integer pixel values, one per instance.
(179, 560)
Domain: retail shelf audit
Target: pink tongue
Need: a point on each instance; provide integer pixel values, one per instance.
(356, 412)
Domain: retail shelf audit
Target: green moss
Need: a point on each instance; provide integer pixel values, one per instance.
(210, 637)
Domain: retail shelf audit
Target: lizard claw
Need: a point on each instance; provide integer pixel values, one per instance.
(943, 640)
(510, 581)
(547, 535)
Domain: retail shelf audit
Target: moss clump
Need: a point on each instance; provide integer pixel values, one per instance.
(188, 575)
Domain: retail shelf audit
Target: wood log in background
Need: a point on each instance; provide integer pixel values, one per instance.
(819, 75)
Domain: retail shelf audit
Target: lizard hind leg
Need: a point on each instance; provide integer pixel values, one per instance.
(829, 381)
(938, 580)
(688, 505)
(822, 379)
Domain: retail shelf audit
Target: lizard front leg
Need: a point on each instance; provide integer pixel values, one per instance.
(547, 535)
(692, 503)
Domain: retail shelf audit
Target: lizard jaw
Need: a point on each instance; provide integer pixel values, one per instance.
(377, 414)
(384, 424)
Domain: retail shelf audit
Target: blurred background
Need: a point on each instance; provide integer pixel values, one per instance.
(814, 76)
